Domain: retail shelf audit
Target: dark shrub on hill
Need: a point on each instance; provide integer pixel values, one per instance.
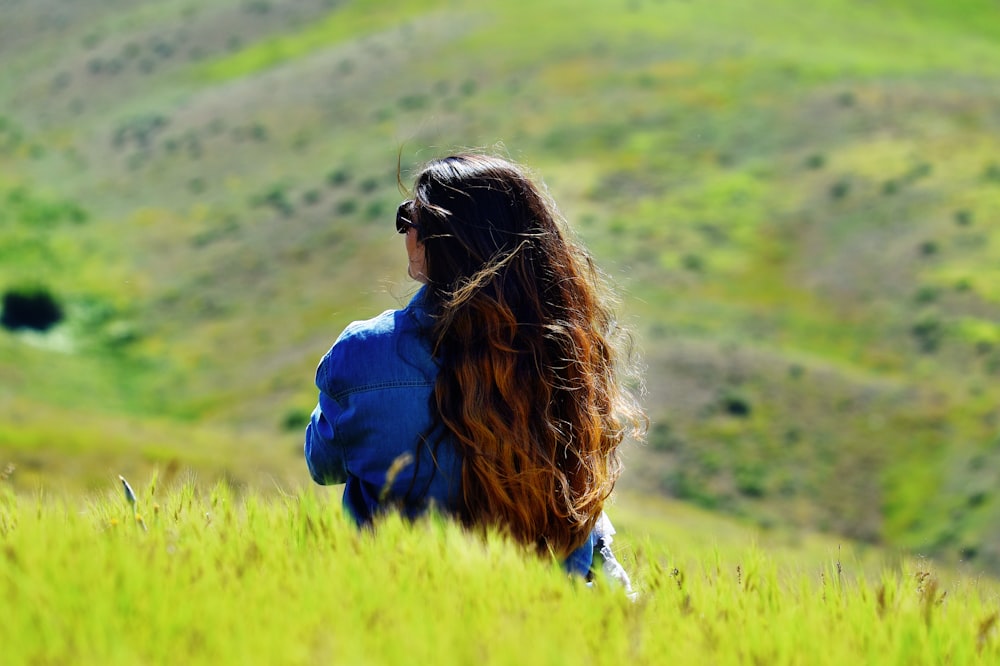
(692, 262)
(919, 171)
(413, 102)
(295, 419)
(840, 189)
(928, 331)
(963, 218)
(259, 7)
(33, 308)
(663, 438)
(846, 99)
(734, 403)
(375, 210)
(258, 132)
(751, 480)
(992, 172)
(468, 87)
(274, 197)
(346, 207)
(926, 294)
(338, 177)
(815, 161)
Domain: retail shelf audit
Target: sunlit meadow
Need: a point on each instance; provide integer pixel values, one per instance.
(188, 577)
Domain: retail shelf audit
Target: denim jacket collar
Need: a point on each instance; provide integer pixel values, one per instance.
(419, 308)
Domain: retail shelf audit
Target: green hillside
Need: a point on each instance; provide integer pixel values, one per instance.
(799, 202)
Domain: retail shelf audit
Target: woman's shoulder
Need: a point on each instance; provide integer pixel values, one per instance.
(370, 331)
(388, 326)
(390, 347)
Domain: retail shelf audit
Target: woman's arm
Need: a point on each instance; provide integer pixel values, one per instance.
(324, 456)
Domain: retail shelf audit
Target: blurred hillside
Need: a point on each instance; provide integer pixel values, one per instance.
(799, 202)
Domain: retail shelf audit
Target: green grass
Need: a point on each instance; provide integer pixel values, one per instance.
(220, 578)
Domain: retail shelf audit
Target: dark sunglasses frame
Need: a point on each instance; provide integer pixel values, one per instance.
(403, 223)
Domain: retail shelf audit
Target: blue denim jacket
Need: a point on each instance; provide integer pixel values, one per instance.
(375, 389)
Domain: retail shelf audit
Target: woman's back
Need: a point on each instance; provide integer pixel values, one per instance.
(376, 384)
(526, 411)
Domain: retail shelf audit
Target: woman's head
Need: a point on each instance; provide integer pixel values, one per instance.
(473, 210)
(529, 382)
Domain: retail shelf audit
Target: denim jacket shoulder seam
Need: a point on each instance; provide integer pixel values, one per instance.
(378, 386)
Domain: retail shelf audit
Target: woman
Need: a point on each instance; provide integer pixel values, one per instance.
(495, 394)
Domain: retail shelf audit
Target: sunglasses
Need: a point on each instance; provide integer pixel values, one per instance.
(403, 222)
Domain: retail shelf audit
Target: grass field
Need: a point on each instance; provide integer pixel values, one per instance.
(799, 202)
(219, 578)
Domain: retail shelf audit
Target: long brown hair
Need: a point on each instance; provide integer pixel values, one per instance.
(530, 384)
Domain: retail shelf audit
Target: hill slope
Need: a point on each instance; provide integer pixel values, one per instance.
(799, 202)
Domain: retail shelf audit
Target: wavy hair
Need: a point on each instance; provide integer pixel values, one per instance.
(530, 385)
